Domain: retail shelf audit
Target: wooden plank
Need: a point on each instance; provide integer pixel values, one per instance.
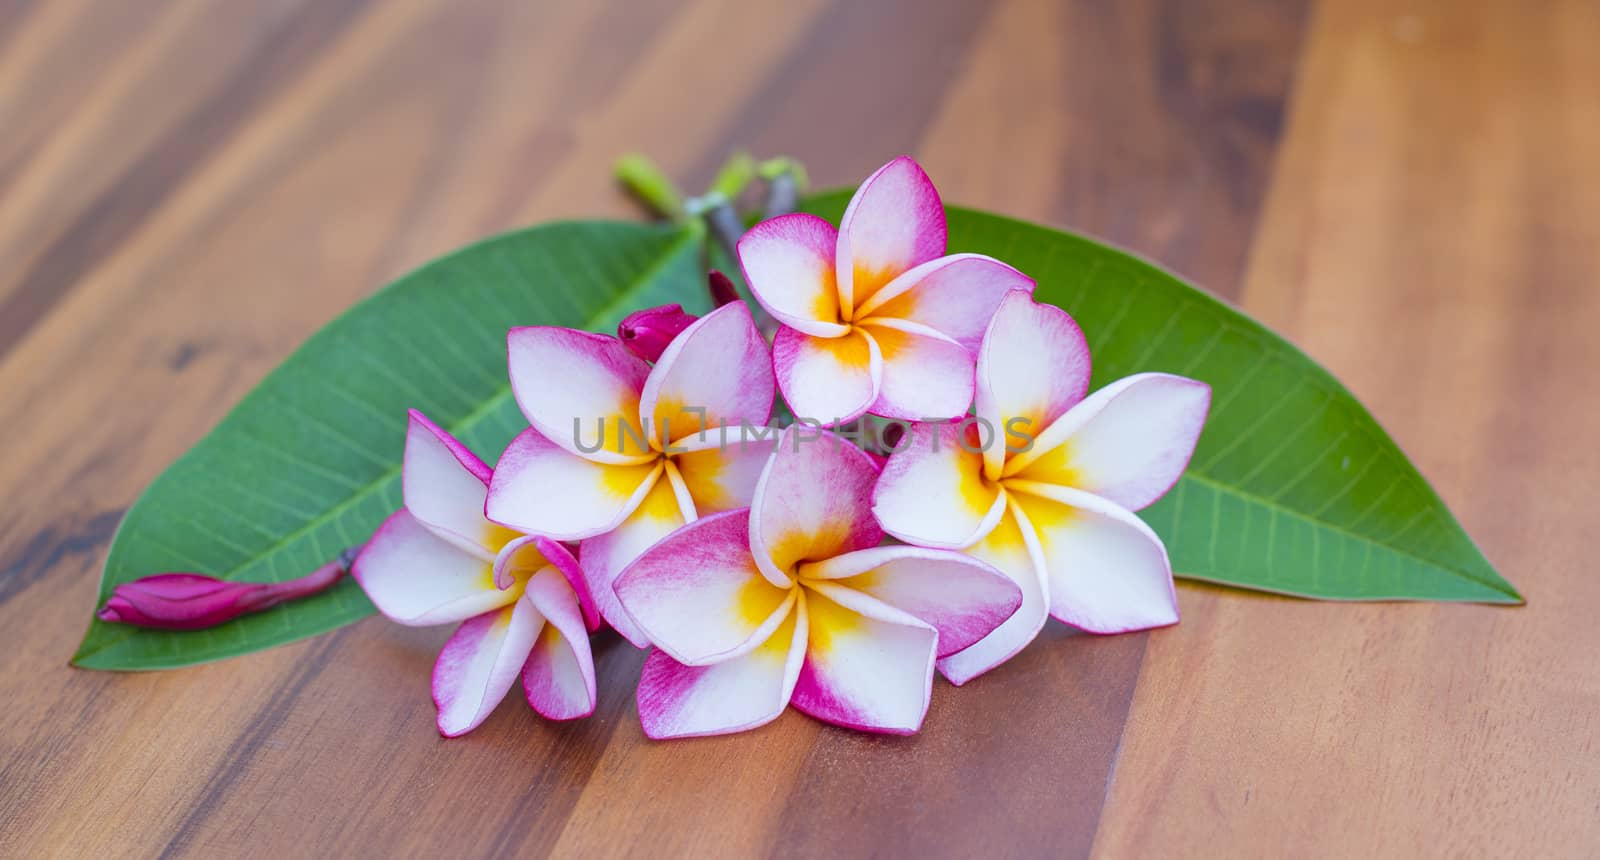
(245, 206)
(1431, 236)
(77, 199)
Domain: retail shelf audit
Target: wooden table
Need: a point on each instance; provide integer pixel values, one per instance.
(1410, 190)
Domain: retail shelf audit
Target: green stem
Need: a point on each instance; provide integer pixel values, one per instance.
(646, 182)
(735, 176)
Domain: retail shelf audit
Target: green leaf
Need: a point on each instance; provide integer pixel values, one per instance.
(1294, 488)
(309, 462)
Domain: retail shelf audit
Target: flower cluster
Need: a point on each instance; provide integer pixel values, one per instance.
(766, 567)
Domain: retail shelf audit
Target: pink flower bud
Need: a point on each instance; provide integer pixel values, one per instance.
(191, 601)
(723, 291)
(646, 333)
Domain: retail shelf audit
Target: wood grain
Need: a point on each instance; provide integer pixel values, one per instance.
(188, 188)
(1431, 235)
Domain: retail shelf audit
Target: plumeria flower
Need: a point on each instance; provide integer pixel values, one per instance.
(1058, 516)
(520, 598)
(874, 317)
(794, 601)
(621, 453)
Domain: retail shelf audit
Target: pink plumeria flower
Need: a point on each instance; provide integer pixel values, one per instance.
(793, 601)
(1058, 517)
(520, 598)
(664, 457)
(874, 317)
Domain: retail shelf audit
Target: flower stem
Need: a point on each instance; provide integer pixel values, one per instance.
(717, 209)
(786, 181)
(722, 218)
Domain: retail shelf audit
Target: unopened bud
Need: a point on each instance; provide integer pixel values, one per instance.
(192, 601)
(646, 333)
(723, 292)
